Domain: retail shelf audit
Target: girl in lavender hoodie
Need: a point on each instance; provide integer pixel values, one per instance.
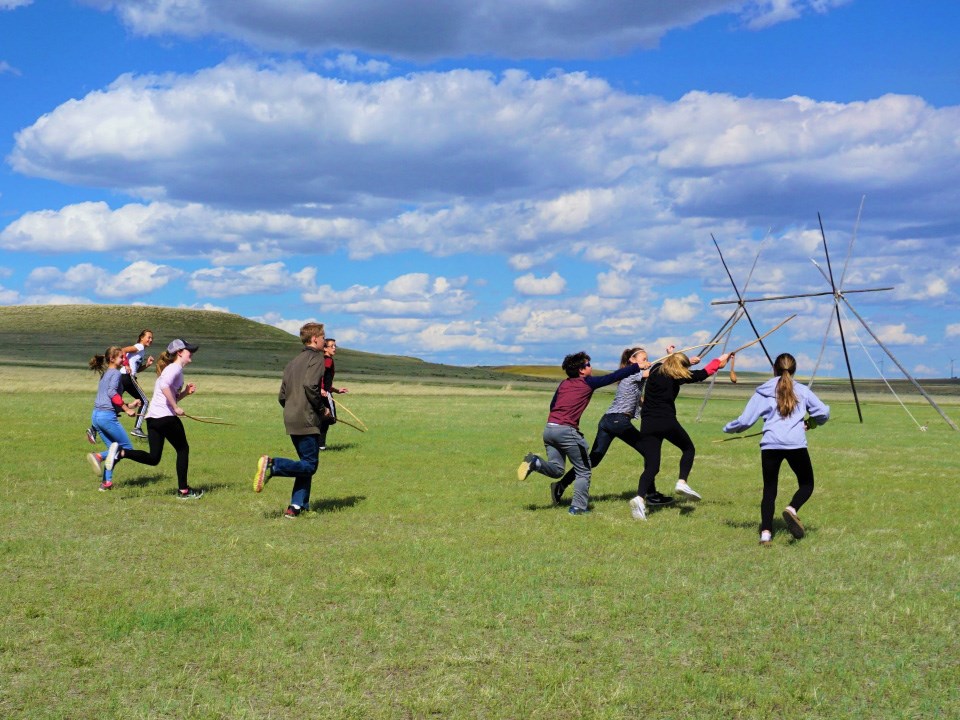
(783, 405)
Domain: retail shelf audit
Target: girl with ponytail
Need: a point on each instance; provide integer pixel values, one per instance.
(788, 409)
(106, 407)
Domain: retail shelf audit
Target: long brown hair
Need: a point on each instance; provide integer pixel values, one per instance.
(784, 367)
(99, 363)
(165, 359)
(629, 353)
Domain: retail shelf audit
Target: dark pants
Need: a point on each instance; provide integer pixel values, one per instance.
(131, 387)
(325, 424)
(611, 426)
(171, 430)
(302, 470)
(652, 434)
(770, 460)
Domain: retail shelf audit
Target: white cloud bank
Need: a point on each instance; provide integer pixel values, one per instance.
(466, 161)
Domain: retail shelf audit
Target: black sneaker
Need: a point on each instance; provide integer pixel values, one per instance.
(556, 492)
(656, 498)
(189, 494)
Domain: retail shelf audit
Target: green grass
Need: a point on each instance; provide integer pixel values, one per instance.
(429, 582)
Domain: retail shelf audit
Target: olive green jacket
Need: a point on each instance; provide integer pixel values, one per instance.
(300, 393)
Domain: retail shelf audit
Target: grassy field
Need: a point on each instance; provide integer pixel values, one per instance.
(428, 582)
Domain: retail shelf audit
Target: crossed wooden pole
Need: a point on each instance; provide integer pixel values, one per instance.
(839, 295)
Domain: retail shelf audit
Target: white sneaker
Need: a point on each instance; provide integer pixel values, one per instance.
(112, 453)
(638, 508)
(685, 489)
(766, 537)
(95, 463)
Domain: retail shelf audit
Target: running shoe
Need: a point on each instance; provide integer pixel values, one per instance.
(685, 489)
(291, 512)
(578, 511)
(766, 538)
(138, 433)
(92, 435)
(638, 508)
(793, 523)
(189, 494)
(96, 462)
(556, 492)
(530, 463)
(106, 485)
(655, 498)
(263, 469)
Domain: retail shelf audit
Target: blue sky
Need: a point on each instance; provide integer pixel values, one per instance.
(484, 183)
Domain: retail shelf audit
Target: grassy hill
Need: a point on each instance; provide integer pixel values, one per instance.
(68, 335)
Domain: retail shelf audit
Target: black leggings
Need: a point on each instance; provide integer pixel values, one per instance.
(770, 460)
(130, 386)
(611, 426)
(158, 430)
(652, 434)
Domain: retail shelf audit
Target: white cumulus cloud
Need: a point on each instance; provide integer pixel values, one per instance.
(530, 284)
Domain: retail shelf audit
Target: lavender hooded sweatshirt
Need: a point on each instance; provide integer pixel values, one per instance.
(780, 433)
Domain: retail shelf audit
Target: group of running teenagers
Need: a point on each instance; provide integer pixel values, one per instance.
(118, 367)
(648, 392)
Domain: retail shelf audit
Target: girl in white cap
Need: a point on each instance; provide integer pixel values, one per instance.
(163, 417)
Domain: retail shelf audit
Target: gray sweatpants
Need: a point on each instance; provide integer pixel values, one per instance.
(563, 441)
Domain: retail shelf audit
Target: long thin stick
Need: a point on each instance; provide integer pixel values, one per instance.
(802, 295)
(350, 424)
(739, 437)
(208, 420)
(692, 347)
(752, 342)
(837, 294)
(340, 405)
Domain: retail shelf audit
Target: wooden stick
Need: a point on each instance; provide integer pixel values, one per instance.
(739, 437)
(692, 347)
(208, 420)
(353, 414)
(350, 424)
(752, 342)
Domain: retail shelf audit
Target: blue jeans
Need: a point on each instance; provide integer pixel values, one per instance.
(106, 423)
(302, 470)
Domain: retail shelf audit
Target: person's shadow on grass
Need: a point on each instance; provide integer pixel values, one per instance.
(326, 505)
(339, 448)
(681, 506)
(142, 481)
